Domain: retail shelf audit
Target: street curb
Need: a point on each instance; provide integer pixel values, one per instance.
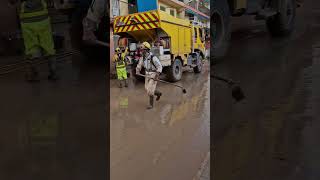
(203, 166)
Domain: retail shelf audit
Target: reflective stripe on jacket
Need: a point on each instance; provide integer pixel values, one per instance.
(33, 11)
(120, 62)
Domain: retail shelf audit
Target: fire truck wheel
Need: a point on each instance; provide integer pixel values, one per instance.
(174, 72)
(198, 68)
(282, 24)
(220, 30)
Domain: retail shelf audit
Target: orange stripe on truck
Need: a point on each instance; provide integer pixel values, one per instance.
(155, 16)
(125, 28)
(151, 21)
(141, 21)
(126, 19)
(144, 20)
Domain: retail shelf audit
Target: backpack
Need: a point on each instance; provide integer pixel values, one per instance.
(153, 62)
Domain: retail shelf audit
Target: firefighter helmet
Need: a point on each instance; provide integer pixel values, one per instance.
(146, 45)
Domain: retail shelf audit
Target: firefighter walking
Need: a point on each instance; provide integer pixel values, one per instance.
(37, 35)
(120, 60)
(153, 69)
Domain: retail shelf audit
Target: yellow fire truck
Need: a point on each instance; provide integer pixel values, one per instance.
(176, 42)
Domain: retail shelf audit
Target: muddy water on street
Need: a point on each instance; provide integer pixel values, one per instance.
(272, 134)
(54, 130)
(167, 142)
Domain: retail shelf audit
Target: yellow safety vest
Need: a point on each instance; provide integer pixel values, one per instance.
(120, 61)
(37, 13)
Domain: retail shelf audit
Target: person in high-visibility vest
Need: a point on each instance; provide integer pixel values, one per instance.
(37, 36)
(120, 60)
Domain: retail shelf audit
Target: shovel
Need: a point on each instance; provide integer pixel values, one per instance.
(237, 92)
(184, 91)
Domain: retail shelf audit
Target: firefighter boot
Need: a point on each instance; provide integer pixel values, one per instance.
(126, 83)
(32, 74)
(158, 94)
(120, 83)
(150, 102)
(52, 64)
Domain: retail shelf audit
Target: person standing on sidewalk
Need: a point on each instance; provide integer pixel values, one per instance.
(119, 59)
(37, 36)
(153, 70)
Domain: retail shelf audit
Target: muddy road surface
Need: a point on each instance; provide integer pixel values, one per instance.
(168, 142)
(273, 133)
(54, 130)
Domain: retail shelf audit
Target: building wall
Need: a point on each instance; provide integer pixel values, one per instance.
(179, 13)
(124, 10)
(111, 8)
(196, 4)
(119, 8)
(168, 8)
(182, 15)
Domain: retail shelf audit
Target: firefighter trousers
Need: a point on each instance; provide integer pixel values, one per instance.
(150, 83)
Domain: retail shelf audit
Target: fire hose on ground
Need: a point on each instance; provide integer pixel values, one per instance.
(184, 91)
(237, 92)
